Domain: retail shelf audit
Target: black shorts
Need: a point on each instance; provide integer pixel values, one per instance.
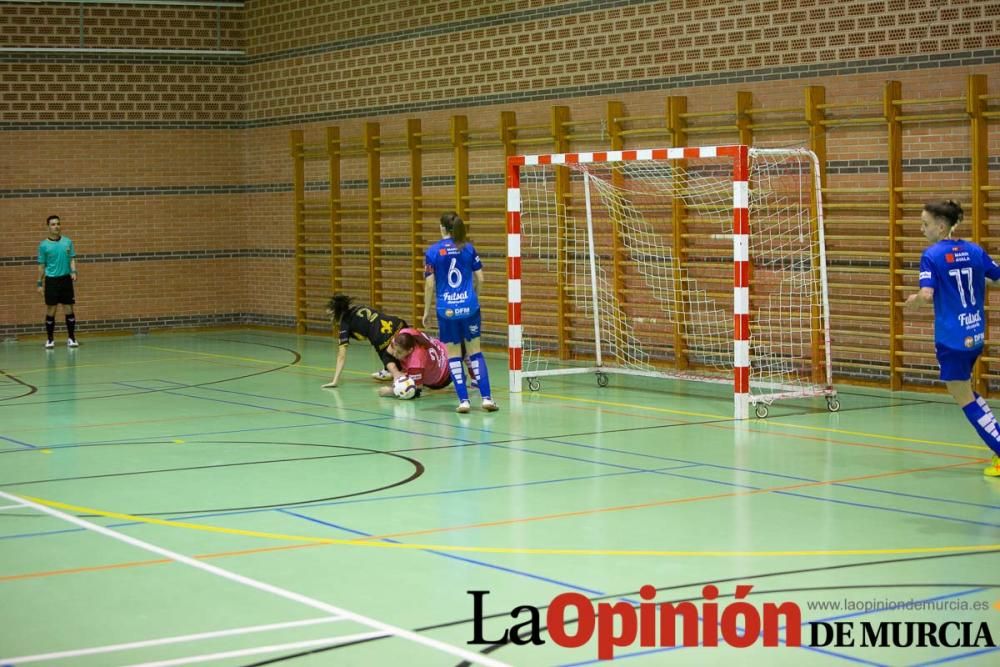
(59, 290)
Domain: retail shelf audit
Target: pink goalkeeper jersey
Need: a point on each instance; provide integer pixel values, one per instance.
(426, 366)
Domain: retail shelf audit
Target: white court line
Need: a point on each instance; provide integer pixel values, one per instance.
(10, 507)
(111, 648)
(208, 657)
(470, 656)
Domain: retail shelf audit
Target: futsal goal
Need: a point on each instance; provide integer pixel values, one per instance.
(703, 264)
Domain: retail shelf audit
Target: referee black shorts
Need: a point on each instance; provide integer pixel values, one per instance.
(59, 290)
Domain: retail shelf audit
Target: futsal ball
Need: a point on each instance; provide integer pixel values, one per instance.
(404, 388)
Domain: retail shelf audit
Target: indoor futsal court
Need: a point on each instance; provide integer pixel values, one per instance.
(527, 333)
(195, 497)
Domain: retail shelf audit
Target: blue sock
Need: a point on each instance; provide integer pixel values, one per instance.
(458, 375)
(981, 417)
(478, 364)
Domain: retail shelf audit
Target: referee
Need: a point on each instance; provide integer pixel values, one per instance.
(56, 275)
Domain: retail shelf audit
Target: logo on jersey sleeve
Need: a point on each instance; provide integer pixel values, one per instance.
(442, 251)
(950, 258)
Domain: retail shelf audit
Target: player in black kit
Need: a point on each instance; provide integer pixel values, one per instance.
(364, 323)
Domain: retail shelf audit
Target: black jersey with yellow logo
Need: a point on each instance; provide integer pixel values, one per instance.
(364, 323)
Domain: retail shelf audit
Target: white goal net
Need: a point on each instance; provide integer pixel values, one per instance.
(629, 262)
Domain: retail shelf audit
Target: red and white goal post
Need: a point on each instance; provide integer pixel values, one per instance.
(702, 264)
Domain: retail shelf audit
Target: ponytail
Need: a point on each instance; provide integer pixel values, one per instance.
(339, 305)
(949, 211)
(456, 227)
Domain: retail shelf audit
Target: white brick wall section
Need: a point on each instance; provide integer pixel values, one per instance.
(741, 300)
(514, 199)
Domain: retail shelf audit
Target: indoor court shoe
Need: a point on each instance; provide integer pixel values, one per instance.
(49, 344)
(463, 407)
(489, 405)
(71, 342)
(993, 469)
(382, 376)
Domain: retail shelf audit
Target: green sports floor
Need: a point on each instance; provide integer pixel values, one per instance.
(196, 498)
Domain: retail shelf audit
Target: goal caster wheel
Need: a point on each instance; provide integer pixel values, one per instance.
(602, 380)
(832, 404)
(534, 384)
(760, 410)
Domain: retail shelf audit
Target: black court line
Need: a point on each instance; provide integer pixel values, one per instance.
(31, 389)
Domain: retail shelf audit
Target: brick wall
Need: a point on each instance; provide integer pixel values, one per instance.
(196, 145)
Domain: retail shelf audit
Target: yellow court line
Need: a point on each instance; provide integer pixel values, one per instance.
(822, 429)
(367, 542)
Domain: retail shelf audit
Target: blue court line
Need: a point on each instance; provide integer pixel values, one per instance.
(730, 484)
(935, 598)
(637, 654)
(363, 411)
(961, 656)
(306, 414)
(761, 472)
(728, 468)
(137, 440)
(890, 509)
(18, 442)
(918, 497)
(352, 501)
(521, 573)
(735, 485)
(756, 488)
(463, 559)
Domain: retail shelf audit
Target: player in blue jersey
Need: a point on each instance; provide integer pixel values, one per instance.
(56, 275)
(452, 277)
(953, 275)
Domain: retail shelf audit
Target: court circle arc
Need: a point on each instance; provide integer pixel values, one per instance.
(416, 471)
